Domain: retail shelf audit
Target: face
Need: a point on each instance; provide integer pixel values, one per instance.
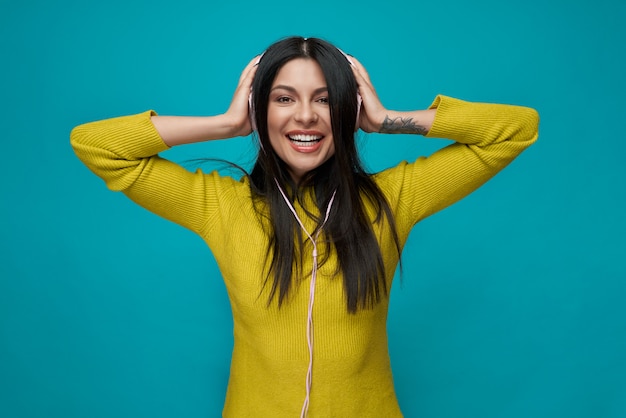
(298, 117)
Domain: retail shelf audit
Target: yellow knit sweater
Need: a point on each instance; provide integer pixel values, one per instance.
(351, 373)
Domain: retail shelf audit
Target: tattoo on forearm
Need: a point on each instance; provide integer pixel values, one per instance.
(401, 126)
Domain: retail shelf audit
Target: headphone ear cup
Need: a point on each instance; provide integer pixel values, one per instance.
(359, 101)
(251, 114)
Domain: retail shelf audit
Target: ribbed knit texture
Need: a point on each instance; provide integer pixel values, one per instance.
(351, 371)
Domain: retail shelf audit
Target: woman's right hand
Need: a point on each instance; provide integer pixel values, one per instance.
(178, 130)
(238, 112)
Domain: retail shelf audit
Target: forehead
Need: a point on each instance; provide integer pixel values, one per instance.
(300, 72)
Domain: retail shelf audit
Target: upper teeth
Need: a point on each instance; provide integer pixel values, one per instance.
(304, 138)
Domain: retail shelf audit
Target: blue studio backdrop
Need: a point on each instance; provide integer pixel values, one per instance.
(511, 303)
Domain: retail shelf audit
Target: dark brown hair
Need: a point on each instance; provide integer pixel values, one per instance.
(349, 229)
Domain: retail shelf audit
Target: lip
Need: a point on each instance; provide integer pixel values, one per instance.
(305, 148)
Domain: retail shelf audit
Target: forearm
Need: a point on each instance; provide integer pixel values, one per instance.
(178, 130)
(484, 124)
(487, 138)
(417, 122)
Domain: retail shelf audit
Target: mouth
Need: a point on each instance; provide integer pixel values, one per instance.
(302, 140)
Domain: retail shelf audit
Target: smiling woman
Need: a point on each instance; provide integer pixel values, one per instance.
(298, 117)
(307, 242)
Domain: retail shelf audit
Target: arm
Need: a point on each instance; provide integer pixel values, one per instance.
(487, 138)
(178, 130)
(123, 152)
(375, 118)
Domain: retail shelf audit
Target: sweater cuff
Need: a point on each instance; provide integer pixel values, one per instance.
(130, 137)
(450, 117)
(138, 136)
(482, 123)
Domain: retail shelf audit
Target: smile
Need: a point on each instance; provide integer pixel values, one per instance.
(302, 140)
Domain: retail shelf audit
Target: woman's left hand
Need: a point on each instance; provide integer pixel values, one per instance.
(375, 117)
(373, 112)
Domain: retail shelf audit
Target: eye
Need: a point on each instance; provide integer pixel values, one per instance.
(283, 99)
(323, 100)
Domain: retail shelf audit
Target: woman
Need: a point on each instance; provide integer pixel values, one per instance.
(308, 242)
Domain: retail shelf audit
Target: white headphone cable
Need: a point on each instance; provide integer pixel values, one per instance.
(309, 326)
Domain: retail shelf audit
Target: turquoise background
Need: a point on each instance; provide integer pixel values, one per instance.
(512, 301)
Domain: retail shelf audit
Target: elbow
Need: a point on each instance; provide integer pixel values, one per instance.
(530, 125)
(84, 144)
(78, 138)
(80, 143)
(524, 128)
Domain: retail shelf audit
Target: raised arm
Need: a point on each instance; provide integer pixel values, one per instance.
(123, 152)
(487, 138)
(178, 130)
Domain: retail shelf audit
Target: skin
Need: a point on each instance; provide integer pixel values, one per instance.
(376, 118)
(298, 109)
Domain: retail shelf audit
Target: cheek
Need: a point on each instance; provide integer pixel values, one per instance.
(273, 123)
(271, 120)
(274, 131)
(331, 149)
(276, 115)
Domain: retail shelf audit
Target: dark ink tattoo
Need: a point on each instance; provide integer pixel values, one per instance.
(401, 126)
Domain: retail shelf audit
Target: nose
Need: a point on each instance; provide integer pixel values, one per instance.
(305, 113)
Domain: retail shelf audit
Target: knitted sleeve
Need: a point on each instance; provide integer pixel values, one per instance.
(123, 152)
(487, 138)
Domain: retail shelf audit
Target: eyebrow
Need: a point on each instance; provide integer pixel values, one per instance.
(293, 90)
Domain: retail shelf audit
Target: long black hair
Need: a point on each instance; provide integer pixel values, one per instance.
(349, 228)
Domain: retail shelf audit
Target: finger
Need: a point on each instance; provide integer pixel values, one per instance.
(365, 87)
(361, 81)
(249, 69)
(361, 69)
(242, 92)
